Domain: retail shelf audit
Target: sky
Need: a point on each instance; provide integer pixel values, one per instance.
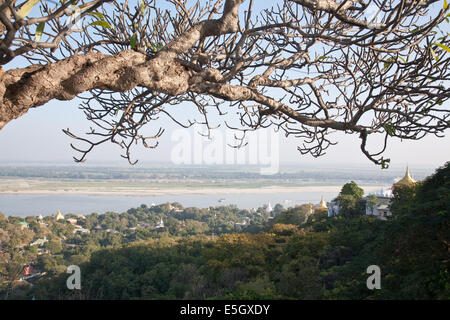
(37, 137)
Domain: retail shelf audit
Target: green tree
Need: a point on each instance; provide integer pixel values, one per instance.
(295, 215)
(417, 241)
(54, 246)
(350, 200)
(352, 189)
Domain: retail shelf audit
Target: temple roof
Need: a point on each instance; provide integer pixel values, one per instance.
(406, 180)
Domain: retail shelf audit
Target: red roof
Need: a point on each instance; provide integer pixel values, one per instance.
(28, 270)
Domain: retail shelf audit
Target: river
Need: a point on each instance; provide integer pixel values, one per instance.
(48, 204)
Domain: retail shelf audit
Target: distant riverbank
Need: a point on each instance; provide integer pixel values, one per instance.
(87, 201)
(133, 188)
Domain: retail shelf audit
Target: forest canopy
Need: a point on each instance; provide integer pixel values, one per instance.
(289, 257)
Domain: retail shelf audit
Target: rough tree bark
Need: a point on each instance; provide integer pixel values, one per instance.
(33, 86)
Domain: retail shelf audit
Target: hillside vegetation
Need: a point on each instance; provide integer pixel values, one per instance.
(288, 258)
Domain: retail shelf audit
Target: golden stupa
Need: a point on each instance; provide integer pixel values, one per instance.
(407, 181)
(59, 216)
(322, 203)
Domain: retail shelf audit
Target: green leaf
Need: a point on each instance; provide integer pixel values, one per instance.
(133, 41)
(101, 23)
(388, 62)
(97, 14)
(445, 4)
(385, 163)
(142, 7)
(39, 30)
(390, 129)
(442, 46)
(26, 8)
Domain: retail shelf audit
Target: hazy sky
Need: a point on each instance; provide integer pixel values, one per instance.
(37, 136)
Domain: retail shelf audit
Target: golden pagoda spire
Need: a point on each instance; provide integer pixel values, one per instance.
(322, 203)
(408, 176)
(407, 179)
(59, 216)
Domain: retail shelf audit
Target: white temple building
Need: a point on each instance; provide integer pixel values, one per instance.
(160, 224)
(377, 204)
